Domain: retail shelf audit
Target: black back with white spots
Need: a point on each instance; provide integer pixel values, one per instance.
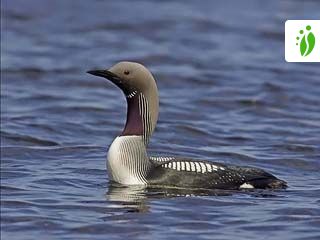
(190, 173)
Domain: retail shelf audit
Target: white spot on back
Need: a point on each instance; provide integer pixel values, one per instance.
(187, 166)
(214, 167)
(183, 166)
(174, 165)
(193, 167)
(198, 167)
(178, 166)
(209, 167)
(246, 186)
(203, 167)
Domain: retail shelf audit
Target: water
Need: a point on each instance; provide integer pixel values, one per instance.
(226, 94)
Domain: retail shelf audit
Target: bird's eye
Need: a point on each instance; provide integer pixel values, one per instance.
(126, 72)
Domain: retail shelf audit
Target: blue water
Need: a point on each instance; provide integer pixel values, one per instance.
(226, 95)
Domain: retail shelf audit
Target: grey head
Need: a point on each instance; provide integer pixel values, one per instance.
(140, 89)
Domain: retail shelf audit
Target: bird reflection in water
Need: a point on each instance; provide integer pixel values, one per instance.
(136, 198)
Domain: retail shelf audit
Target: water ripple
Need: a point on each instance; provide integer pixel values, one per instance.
(226, 95)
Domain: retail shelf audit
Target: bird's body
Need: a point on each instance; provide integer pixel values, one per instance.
(128, 162)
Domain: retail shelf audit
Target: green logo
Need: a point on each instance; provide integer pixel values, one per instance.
(307, 41)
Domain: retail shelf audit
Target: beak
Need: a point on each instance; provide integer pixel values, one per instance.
(106, 74)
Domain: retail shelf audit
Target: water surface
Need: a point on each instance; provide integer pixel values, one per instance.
(226, 95)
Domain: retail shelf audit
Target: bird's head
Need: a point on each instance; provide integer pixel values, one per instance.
(130, 77)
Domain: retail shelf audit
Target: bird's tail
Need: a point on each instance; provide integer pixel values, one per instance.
(271, 183)
(259, 178)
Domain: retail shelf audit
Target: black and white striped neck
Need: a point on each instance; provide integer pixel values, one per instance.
(139, 121)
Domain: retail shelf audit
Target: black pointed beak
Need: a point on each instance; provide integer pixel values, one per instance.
(105, 73)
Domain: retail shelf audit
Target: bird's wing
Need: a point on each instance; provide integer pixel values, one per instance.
(190, 173)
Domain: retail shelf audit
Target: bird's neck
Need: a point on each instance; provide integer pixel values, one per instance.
(134, 125)
(140, 120)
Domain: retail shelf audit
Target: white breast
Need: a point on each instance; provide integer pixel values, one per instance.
(127, 161)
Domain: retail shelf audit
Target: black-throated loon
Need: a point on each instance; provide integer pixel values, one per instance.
(128, 162)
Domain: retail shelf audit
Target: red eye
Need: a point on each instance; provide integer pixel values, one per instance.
(126, 72)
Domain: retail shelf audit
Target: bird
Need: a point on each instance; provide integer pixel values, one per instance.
(128, 162)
